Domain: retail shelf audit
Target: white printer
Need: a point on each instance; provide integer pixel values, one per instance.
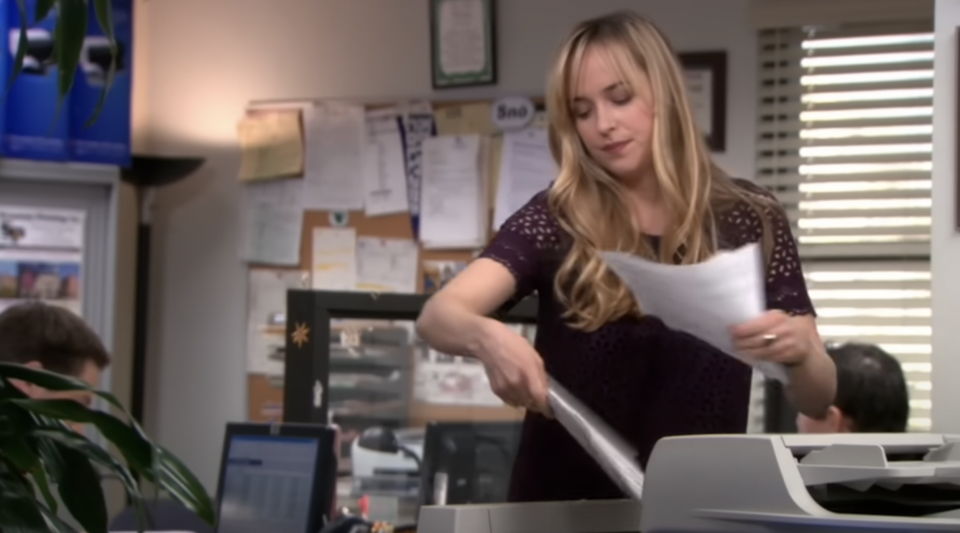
(895, 483)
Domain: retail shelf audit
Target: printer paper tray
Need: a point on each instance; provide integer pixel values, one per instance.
(899, 474)
(866, 523)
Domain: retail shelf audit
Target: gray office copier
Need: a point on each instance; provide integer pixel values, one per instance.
(894, 483)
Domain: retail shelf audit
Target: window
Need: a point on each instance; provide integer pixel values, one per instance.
(845, 143)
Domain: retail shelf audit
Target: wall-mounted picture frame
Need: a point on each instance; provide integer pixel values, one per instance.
(706, 76)
(463, 43)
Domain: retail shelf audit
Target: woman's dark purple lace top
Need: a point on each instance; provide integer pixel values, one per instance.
(646, 381)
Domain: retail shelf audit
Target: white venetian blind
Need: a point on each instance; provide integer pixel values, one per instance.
(845, 143)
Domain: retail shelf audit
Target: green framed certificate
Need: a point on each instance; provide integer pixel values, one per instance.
(463, 50)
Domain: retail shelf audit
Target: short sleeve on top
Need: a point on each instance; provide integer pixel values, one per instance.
(785, 285)
(786, 289)
(522, 242)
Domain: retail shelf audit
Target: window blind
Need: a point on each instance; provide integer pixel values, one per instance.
(845, 142)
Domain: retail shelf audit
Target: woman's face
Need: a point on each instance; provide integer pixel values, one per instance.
(614, 121)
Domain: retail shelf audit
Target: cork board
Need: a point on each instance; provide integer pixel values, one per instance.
(453, 117)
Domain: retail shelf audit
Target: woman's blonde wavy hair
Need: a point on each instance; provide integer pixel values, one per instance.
(590, 203)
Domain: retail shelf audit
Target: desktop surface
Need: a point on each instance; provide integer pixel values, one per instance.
(268, 484)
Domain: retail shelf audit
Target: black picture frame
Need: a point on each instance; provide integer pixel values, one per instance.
(486, 75)
(308, 339)
(715, 62)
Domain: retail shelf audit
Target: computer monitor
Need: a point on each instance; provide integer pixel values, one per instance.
(467, 462)
(279, 478)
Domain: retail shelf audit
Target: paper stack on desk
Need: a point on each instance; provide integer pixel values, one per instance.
(705, 299)
(617, 458)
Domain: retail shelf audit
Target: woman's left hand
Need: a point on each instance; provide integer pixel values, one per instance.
(774, 336)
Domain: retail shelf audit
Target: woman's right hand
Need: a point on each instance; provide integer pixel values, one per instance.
(515, 369)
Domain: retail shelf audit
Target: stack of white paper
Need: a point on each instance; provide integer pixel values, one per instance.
(705, 299)
(453, 198)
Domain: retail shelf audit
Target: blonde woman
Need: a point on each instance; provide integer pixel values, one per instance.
(635, 176)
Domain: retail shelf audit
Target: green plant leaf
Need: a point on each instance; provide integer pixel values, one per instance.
(81, 492)
(169, 473)
(21, 45)
(156, 464)
(43, 483)
(43, 9)
(58, 382)
(104, 14)
(69, 33)
(78, 442)
(60, 525)
(133, 445)
(18, 450)
(19, 510)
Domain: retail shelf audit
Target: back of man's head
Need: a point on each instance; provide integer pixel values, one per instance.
(51, 337)
(871, 388)
(872, 395)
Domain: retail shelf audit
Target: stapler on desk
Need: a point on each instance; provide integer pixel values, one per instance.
(895, 483)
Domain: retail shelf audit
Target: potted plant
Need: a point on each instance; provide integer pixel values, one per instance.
(40, 455)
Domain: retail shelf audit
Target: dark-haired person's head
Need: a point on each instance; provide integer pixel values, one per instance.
(871, 393)
(44, 336)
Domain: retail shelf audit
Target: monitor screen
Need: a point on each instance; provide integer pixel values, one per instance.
(468, 462)
(268, 484)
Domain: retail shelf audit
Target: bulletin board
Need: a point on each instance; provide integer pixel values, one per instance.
(265, 398)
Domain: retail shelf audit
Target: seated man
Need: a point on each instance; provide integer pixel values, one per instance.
(43, 336)
(871, 393)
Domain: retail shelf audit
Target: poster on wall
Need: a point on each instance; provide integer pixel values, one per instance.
(41, 256)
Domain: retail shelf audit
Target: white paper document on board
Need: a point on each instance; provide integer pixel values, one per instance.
(387, 265)
(334, 261)
(526, 168)
(384, 165)
(452, 205)
(335, 139)
(705, 299)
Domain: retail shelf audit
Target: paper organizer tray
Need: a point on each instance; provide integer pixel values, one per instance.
(861, 466)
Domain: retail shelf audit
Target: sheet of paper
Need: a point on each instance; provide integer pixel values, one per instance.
(452, 193)
(271, 145)
(266, 318)
(466, 119)
(526, 167)
(270, 234)
(334, 264)
(335, 137)
(418, 124)
(387, 265)
(705, 299)
(384, 165)
(494, 157)
(281, 192)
